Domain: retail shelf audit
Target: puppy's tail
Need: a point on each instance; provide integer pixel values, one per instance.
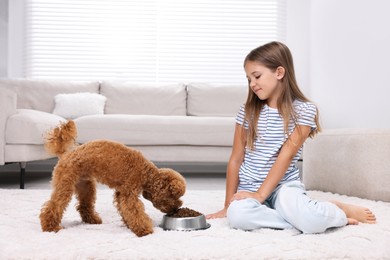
(61, 139)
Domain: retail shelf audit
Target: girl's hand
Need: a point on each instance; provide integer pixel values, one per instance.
(218, 214)
(244, 195)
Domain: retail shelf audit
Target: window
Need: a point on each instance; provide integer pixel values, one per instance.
(148, 41)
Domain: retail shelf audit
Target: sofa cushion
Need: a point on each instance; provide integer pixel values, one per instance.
(157, 130)
(208, 100)
(39, 94)
(29, 126)
(132, 99)
(74, 105)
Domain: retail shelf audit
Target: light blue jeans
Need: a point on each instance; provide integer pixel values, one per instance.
(287, 207)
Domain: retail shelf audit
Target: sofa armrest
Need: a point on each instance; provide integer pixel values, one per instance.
(7, 108)
(353, 162)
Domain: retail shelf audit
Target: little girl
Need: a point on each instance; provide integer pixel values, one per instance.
(263, 189)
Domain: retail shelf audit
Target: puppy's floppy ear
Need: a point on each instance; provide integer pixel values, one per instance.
(172, 181)
(177, 188)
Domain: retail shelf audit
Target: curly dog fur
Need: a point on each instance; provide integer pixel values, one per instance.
(116, 165)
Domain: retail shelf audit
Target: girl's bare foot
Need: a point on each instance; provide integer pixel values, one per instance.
(355, 213)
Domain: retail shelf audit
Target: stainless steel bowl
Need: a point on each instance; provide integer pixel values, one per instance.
(184, 224)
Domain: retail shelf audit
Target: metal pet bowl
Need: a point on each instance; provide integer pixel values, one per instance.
(184, 224)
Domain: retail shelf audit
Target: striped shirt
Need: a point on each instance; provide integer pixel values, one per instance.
(258, 162)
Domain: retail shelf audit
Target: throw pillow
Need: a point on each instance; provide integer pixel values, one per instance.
(74, 105)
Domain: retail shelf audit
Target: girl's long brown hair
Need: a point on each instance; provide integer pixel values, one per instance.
(273, 55)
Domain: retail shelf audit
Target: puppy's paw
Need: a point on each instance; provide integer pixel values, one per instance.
(143, 232)
(92, 219)
(48, 228)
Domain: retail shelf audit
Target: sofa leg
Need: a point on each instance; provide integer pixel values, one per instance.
(22, 173)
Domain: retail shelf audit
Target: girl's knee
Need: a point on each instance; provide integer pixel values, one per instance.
(237, 213)
(234, 214)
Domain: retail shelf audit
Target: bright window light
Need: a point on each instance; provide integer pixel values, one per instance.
(148, 41)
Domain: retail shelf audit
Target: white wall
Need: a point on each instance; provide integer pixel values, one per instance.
(16, 38)
(3, 38)
(11, 38)
(297, 39)
(350, 62)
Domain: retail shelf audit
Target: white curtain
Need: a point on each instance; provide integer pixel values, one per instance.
(148, 41)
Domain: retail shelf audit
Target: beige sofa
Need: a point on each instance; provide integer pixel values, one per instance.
(191, 123)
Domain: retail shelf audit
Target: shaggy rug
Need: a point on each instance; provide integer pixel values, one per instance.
(21, 236)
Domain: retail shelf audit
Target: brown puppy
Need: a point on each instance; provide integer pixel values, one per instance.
(116, 165)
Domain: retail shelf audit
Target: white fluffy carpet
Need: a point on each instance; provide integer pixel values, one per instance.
(21, 236)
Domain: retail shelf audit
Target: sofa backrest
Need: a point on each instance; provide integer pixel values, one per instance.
(195, 99)
(39, 94)
(133, 99)
(211, 100)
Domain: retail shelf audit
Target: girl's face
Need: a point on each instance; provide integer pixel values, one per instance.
(264, 82)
